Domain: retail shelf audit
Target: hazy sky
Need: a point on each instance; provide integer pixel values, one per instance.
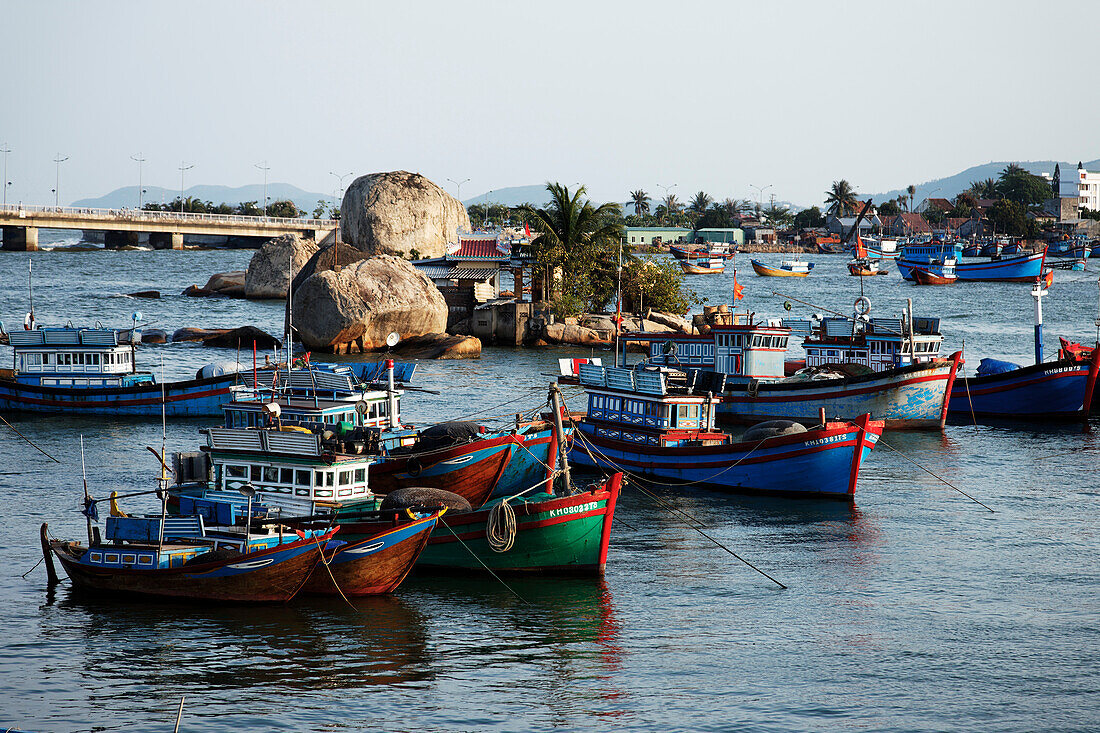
(718, 96)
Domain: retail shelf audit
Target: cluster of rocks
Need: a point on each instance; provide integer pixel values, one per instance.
(598, 329)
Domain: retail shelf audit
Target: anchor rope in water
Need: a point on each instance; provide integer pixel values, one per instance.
(487, 568)
(31, 442)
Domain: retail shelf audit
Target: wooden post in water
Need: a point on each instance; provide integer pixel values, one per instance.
(557, 404)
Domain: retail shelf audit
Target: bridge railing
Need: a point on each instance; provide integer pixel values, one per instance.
(160, 216)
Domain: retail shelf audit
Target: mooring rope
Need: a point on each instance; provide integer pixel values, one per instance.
(500, 527)
(32, 444)
(487, 568)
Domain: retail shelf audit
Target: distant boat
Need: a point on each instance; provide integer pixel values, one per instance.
(788, 268)
(713, 266)
(722, 250)
(865, 267)
(924, 277)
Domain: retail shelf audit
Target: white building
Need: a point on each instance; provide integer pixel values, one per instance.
(1088, 188)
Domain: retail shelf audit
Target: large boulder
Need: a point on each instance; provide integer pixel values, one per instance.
(229, 284)
(355, 308)
(268, 272)
(397, 212)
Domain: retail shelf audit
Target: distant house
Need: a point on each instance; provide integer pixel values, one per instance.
(906, 225)
(974, 228)
(952, 224)
(649, 236)
(469, 273)
(841, 225)
(726, 235)
(943, 205)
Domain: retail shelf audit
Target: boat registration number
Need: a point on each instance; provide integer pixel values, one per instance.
(578, 509)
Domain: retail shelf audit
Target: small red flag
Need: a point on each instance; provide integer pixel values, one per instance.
(738, 288)
(527, 229)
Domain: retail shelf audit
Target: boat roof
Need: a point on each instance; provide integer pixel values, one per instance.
(67, 336)
(655, 382)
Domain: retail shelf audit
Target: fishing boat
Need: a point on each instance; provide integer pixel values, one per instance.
(934, 258)
(973, 249)
(712, 266)
(888, 367)
(179, 558)
(946, 276)
(1047, 390)
(659, 423)
(866, 268)
(92, 371)
(710, 250)
(993, 248)
(787, 268)
(941, 257)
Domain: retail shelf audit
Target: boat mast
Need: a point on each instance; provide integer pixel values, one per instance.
(557, 404)
(87, 498)
(1038, 292)
(30, 292)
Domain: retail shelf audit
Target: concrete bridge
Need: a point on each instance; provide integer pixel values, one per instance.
(166, 229)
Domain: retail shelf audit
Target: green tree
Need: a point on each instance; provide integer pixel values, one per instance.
(986, 189)
(283, 209)
(841, 198)
(911, 190)
(1026, 189)
(656, 284)
(1007, 217)
(889, 208)
(778, 217)
(934, 215)
(249, 208)
(640, 200)
(716, 217)
(580, 240)
(809, 218)
(700, 203)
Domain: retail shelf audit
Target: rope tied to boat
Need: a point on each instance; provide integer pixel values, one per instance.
(500, 527)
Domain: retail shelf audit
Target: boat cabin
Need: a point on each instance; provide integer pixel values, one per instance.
(75, 357)
(877, 343)
(932, 253)
(651, 406)
(287, 468)
(739, 347)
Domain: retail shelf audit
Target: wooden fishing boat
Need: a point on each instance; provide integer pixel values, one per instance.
(91, 371)
(1022, 268)
(711, 250)
(788, 268)
(190, 564)
(924, 277)
(866, 267)
(703, 267)
(888, 367)
(374, 564)
(555, 533)
(660, 423)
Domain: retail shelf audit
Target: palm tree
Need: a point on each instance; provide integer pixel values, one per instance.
(911, 190)
(841, 199)
(700, 203)
(736, 207)
(572, 234)
(672, 204)
(640, 199)
(986, 189)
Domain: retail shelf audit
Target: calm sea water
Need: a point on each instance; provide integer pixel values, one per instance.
(913, 610)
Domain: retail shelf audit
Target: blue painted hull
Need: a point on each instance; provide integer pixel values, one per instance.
(527, 466)
(192, 398)
(822, 462)
(1025, 268)
(1050, 391)
(910, 397)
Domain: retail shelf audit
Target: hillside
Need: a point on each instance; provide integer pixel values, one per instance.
(127, 197)
(951, 186)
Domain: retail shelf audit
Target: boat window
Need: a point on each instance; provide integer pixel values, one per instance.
(302, 478)
(345, 478)
(286, 475)
(236, 471)
(95, 359)
(257, 472)
(360, 475)
(271, 475)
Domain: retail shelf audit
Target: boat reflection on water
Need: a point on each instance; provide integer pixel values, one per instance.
(316, 643)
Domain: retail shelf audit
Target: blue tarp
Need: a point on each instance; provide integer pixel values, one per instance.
(995, 366)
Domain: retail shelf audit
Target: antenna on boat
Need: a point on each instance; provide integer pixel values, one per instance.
(1038, 292)
(162, 482)
(30, 295)
(289, 345)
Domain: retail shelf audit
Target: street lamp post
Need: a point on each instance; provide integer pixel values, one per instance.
(336, 245)
(459, 185)
(57, 180)
(5, 150)
(265, 168)
(183, 168)
(141, 189)
(760, 194)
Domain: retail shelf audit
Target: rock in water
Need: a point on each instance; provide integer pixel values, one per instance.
(145, 294)
(230, 284)
(355, 309)
(242, 338)
(269, 270)
(387, 213)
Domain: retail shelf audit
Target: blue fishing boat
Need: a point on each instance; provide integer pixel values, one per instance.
(659, 423)
(92, 371)
(1047, 390)
(936, 258)
(940, 258)
(888, 367)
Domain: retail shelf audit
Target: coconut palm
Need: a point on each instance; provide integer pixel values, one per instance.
(841, 198)
(572, 234)
(672, 204)
(640, 200)
(986, 189)
(700, 203)
(736, 207)
(912, 191)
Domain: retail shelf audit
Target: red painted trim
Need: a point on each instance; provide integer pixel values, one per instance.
(1028, 382)
(480, 533)
(613, 485)
(720, 463)
(1090, 385)
(955, 359)
(789, 397)
(861, 422)
(114, 403)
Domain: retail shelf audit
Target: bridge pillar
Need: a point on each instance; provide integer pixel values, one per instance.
(118, 240)
(166, 240)
(21, 239)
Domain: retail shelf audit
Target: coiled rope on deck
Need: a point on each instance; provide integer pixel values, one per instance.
(500, 527)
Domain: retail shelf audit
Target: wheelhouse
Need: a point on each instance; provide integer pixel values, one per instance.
(74, 357)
